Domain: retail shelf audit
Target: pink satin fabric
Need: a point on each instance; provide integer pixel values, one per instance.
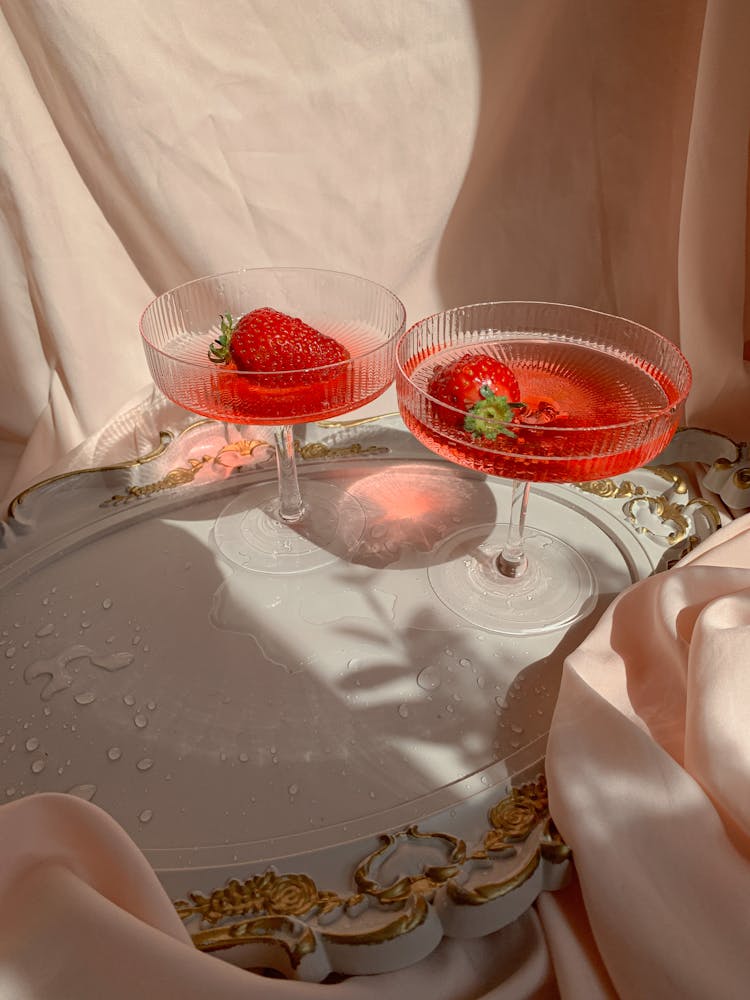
(83, 917)
(649, 768)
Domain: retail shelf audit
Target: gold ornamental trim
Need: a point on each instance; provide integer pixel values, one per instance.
(182, 475)
(165, 439)
(186, 474)
(668, 512)
(244, 448)
(293, 937)
(291, 910)
(416, 914)
(269, 894)
(674, 516)
(608, 489)
(358, 421)
(493, 890)
(318, 450)
(424, 882)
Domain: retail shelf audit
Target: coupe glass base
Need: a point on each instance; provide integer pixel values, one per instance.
(251, 533)
(557, 588)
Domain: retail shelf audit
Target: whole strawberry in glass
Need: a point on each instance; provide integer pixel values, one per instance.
(309, 344)
(484, 389)
(276, 361)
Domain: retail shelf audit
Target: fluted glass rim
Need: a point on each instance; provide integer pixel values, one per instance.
(443, 314)
(207, 364)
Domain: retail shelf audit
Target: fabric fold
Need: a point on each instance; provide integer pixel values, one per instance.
(648, 773)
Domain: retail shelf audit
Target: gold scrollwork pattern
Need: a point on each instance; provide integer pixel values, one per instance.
(165, 439)
(516, 815)
(317, 450)
(243, 448)
(268, 894)
(677, 514)
(675, 517)
(673, 476)
(292, 911)
(182, 475)
(608, 489)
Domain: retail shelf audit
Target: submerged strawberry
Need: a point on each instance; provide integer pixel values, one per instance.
(485, 389)
(266, 340)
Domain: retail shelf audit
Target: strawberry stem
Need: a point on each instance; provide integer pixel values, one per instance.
(218, 352)
(486, 417)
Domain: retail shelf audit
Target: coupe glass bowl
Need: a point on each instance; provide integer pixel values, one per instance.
(602, 396)
(289, 530)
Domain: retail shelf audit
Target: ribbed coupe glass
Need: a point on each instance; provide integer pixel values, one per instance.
(285, 529)
(603, 396)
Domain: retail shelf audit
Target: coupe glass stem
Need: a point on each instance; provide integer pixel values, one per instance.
(291, 507)
(511, 561)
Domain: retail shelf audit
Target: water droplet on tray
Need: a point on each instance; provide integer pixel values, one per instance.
(429, 678)
(145, 815)
(144, 764)
(114, 753)
(85, 698)
(114, 661)
(83, 791)
(140, 721)
(403, 711)
(32, 743)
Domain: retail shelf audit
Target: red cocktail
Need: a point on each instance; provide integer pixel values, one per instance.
(278, 347)
(593, 396)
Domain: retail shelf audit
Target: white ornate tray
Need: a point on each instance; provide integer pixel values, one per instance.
(329, 771)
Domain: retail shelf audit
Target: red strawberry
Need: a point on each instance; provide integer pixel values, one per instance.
(484, 388)
(266, 340)
(271, 368)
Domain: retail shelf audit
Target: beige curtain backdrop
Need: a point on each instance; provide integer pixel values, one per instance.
(584, 151)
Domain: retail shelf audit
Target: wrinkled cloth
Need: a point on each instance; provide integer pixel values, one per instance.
(82, 916)
(648, 766)
(457, 152)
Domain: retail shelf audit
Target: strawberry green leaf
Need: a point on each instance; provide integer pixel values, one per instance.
(486, 418)
(218, 352)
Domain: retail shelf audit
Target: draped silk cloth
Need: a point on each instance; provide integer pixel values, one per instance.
(566, 150)
(648, 765)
